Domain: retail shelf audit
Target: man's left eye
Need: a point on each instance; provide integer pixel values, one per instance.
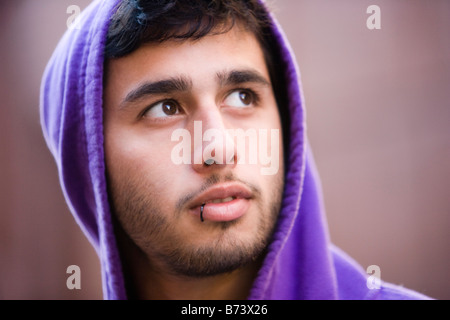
(240, 99)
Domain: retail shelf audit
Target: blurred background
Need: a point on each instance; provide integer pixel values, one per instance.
(378, 114)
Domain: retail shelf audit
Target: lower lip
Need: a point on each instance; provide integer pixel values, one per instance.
(224, 211)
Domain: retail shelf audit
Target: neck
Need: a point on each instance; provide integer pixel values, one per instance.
(154, 285)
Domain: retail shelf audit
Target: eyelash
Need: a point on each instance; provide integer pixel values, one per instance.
(255, 100)
(142, 114)
(255, 96)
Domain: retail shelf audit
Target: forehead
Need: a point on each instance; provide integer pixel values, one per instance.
(197, 59)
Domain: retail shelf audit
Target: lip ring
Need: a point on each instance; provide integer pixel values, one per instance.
(222, 212)
(202, 207)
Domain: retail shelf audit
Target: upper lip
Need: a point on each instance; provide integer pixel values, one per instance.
(221, 191)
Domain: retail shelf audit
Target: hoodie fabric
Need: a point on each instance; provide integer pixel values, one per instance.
(301, 262)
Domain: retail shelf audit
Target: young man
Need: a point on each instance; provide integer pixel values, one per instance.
(178, 128)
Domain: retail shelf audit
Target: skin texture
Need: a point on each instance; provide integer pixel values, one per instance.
(168, 252)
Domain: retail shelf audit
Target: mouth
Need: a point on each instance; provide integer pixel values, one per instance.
(228, 199)
(222, 202)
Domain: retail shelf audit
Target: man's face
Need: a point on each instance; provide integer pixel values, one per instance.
(167, 109)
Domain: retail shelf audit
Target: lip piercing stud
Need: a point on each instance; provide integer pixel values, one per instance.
(201, 212)
(209, 162)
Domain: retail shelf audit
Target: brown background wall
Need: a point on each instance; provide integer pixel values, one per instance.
(378, 104)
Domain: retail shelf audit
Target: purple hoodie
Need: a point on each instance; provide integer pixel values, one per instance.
(301, 263)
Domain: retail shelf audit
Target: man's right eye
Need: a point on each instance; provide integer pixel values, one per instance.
(163, 109)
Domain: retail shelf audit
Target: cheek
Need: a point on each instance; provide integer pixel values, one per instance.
(140, 169)
(137, 157)
(273, 186)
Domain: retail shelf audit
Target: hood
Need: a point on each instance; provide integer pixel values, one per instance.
(301, 263)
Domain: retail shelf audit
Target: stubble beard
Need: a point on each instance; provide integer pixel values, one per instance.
(150, 230)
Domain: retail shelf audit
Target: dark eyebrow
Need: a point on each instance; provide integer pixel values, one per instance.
(182, 83)
(236, 77)
(159, 87)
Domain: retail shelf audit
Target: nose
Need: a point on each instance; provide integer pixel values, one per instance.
(213, 146)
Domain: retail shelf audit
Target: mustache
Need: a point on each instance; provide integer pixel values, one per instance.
(211, 181)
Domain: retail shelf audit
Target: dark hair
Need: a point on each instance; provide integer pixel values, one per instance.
(136, 22)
